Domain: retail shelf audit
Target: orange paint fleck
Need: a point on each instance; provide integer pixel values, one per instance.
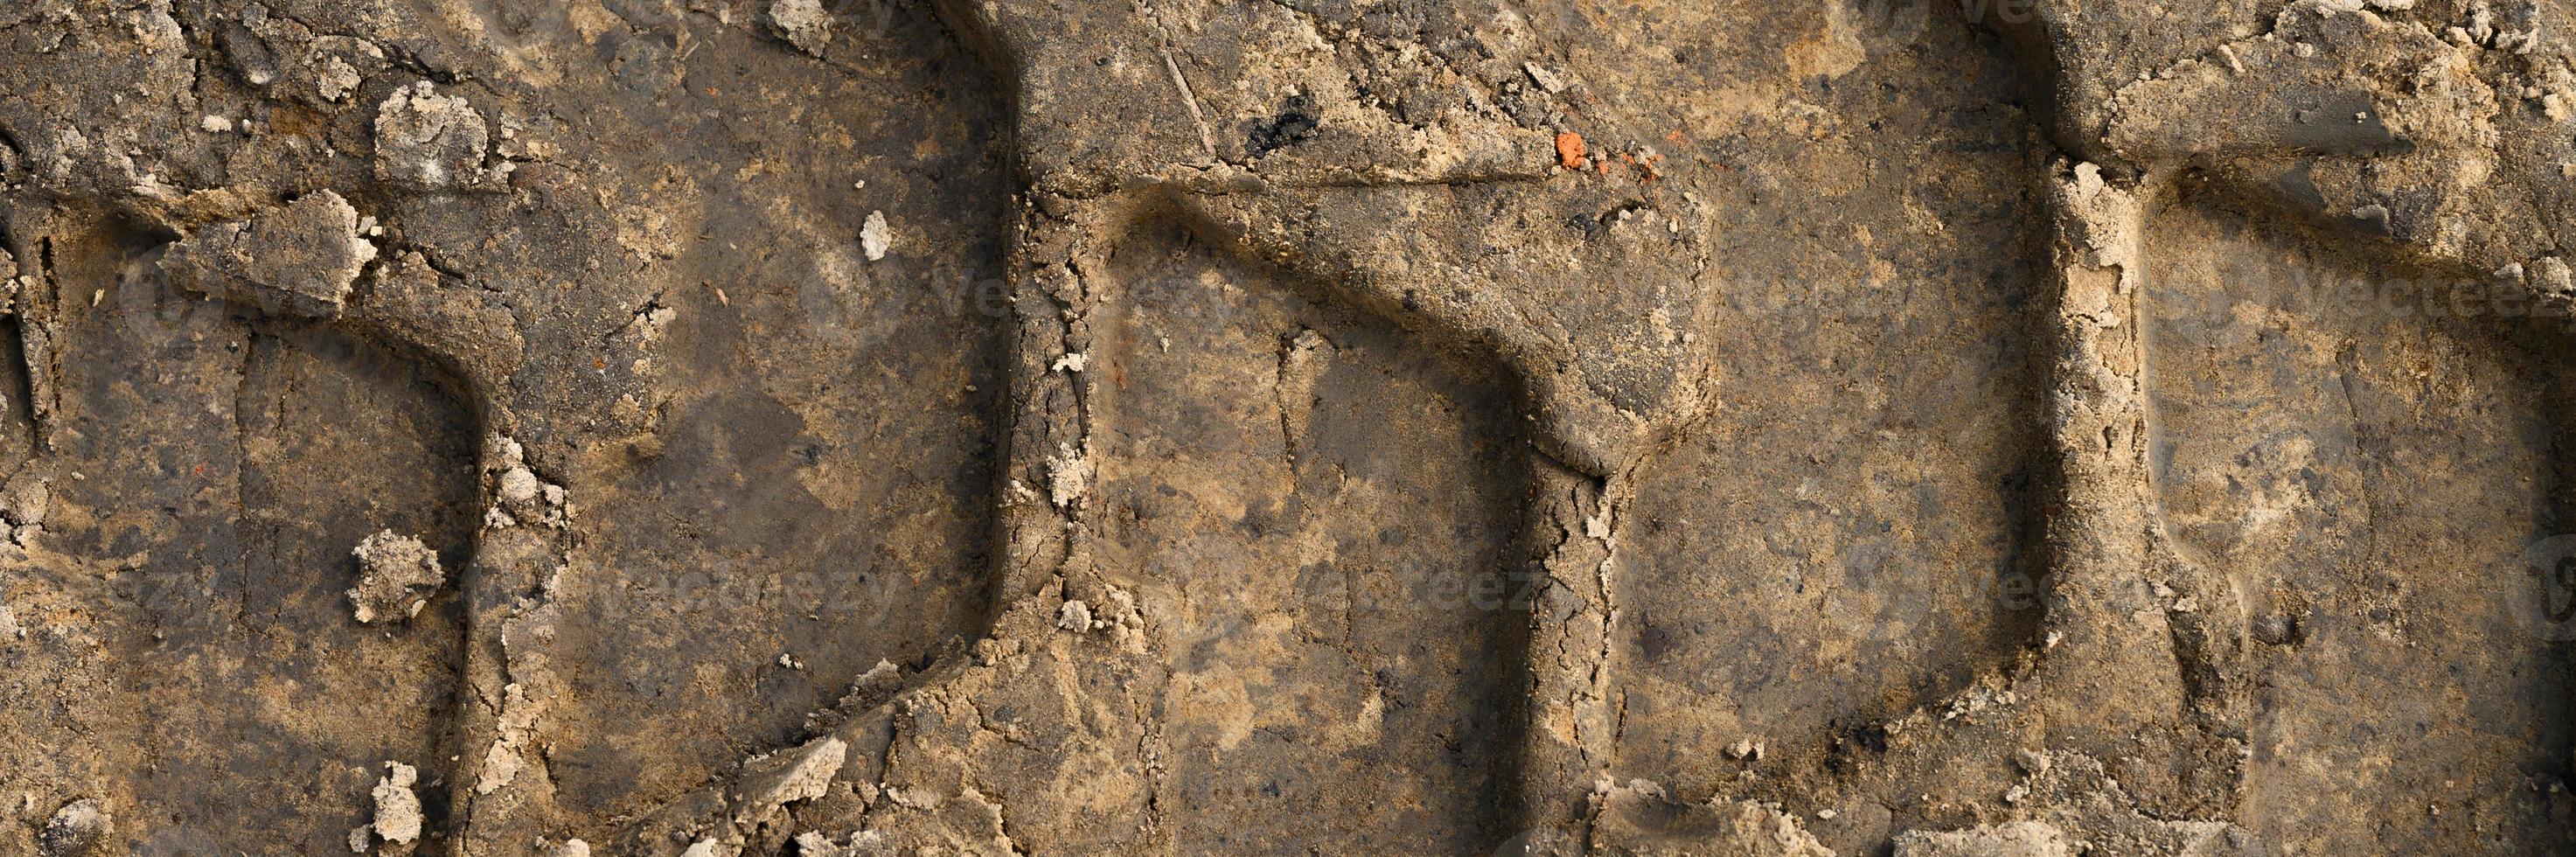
(1569, 150)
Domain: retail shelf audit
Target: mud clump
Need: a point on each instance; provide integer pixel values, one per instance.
(23, 501)
(398, 818)
(1641, 818)
(874, 239)
(803, 23)
(76, 830)
(519, 497)
(430, 141)
(300, 260)
(769, 783)
(1074, 616)
(2018, 839)
(396, 576)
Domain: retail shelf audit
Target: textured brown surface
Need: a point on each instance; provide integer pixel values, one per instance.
(1296, 426)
